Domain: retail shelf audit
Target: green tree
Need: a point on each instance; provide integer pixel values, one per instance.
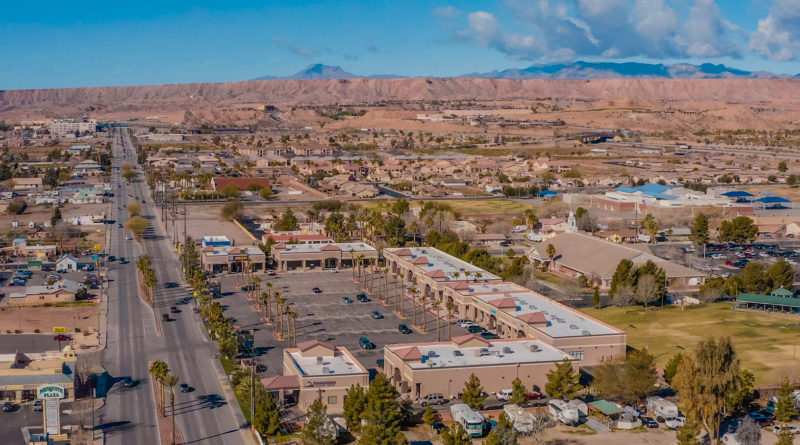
(232, 209)
(137, 225)
(780, 274)
(630, 380)
(651, 268)
(650, 224)
(785, 407)
(672, 367)
(472, 393)
(754, 279)
(562, 381)
(128, 175)
(503, 433)
(699, 229)
(159, 370)
(792, 180)
(400, 207)
(596, 298)
(687, 435)
(739, 230)
(518, 392)
(56, 216)
(785, 437)
(782, 167)
(623, 275)
(230, 191)
(395, 231)
(287, 222)
(266, 193)
(429, 416)
(134, 209)
(355, 403)
(551, 252)
(319, 428)
(456, 436)
(382, 416)
(740, 400)
(705, 381)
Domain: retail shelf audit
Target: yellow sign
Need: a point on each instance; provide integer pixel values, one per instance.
(59, 330)
(195, 293)
(41, 255)
(98, 247)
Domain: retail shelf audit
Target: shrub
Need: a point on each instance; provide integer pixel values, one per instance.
(36, 330)
(17, 331)
(77, 329)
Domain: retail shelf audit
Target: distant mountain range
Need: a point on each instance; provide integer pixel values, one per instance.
(575, 70)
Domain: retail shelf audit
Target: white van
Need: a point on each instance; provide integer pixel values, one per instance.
(504, 395)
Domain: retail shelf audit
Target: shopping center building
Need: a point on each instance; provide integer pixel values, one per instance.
(289, 257)
(21, 374)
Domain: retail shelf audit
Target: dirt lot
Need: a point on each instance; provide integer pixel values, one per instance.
(204, 220)
(28, 319)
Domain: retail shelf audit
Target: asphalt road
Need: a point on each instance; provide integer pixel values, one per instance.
(133, 339)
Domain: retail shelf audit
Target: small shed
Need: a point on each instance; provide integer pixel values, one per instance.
(67, 263)
(35, 266)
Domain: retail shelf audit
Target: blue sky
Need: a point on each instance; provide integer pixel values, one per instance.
(66, 44)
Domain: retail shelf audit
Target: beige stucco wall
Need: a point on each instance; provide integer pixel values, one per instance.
(332, 388)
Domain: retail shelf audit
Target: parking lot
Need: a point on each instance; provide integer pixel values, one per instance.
(325, 316)
(728, 259)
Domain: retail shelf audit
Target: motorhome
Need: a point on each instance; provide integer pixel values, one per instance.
(468, 418)
(660, 407)
(535, 237)
(520, 419)
(563, 412)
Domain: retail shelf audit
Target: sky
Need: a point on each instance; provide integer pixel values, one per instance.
(50, 44)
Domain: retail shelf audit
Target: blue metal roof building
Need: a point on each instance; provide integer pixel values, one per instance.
(657, 191)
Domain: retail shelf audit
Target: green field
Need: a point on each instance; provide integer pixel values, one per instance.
(767, 344)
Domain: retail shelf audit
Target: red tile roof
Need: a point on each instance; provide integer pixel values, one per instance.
(461, 339)
(533, 318)
(403, 252)
(419, 260)
(504, 303)
(306, 345)
(281, 382)
(459, 285)
(411, 353)
(330, 247)
(438, 273)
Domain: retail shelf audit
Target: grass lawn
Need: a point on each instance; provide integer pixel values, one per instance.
(767, 344)
(473, 207)
(547, 276)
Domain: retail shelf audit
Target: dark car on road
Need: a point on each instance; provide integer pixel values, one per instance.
(475, 329)
(347, 300)
(185, 387)
(8, 407)
(377, 315)
(362, 298)
(365, 343)
(122, 260)
(403, 329)
(174, 309)
(129, 382)
(112, 258)
(317, 290)
(165, 317)
(62, 337)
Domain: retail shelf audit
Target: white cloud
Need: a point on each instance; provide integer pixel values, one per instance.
(550, 29)
(778, 35)
(447, 12)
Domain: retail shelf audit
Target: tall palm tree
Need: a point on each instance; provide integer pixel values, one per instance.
(256, 287)
(170, 380)
(353, 263)
(449, 305)
(267, 314)
(436, 305)
(279, 312)
(159, 370)
(286, 311)
(413, 291)
(293, 316)
(396, 299)
(424, 318)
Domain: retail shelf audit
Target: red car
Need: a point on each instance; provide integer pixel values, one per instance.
(535, 396)
(62, 337)
(174, 309)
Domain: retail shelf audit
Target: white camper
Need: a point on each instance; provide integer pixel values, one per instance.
(471, 421)
(520, 419)
(660, 407)
(562, 412)
(535, 237)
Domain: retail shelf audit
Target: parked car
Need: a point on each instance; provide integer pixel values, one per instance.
(467, 323)
(474, 329)
(347, 300)
(489, 335)
(778, 428)
(675, 423)
(761, 419)
(365, 343)
(649, 422)
(112, 258)
(535, 396)
(439, 427)
(8, 407)
(362, 298)
(432, 399)
(122, 260)
(404, 329)
(174, 310)
(164, 317)
(185, 387)
(377, 315)
(317, 290)
(37, 405)
(62, 337)
(504, 395)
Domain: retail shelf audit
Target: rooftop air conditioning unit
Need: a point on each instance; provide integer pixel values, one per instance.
(319, 360)
(507, 350)
(573, 326)
(431, 354)
(326, 370)
(586, 333)
(534, 348)
(458, 353)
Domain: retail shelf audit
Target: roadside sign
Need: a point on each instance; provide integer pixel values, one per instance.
(51, 418)
(59, 330)
(98, 247)
(195, 293)
(51, 392)
(95, 257)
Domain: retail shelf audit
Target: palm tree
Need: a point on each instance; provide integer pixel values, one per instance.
(449, 305)
(424, 321)
(256, 287)
(436, 305)
(414, 303)
(159, 370)
(352, 260)
(293, 316)
(551, 253)
(170, 380)
(286, 310)
(279, 304)
(396, 299)
(267, 313)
